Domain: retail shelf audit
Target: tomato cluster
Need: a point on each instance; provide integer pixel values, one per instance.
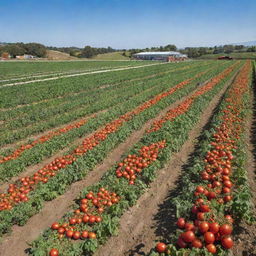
(133, 164)
(18, 192)
(208, 226)
(41, 140)
(89, 212)
(184, 106)
(204, 233)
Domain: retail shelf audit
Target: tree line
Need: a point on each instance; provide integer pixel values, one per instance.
(194, 52)
(18, 49)
(39, 50)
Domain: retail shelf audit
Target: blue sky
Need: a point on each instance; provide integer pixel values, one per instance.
(128, 23)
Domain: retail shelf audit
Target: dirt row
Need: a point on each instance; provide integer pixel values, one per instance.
(55, 209)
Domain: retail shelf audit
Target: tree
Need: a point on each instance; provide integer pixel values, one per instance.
(35, 49)
(170, 47)
(14, 50)
(88, 52)
(228, 48)
(251, 49)
(239, 47)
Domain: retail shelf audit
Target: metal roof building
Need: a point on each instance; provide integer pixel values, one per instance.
(158, 55)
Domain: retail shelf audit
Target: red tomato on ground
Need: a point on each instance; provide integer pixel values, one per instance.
(54, 252)
(160, 247)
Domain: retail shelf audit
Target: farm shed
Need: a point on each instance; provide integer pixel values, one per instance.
(164, 56)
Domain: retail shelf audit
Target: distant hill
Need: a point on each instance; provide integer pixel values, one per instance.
(56, 55)
(249, 43)
(111, 56)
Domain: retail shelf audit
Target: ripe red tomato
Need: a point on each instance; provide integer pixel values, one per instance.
(227, 242)
(203, 227)
(92, 235)
(189, 226)
(86, 218)
(229, 218)
(54, 252)
(160, 247)
(188, 236)
(200, 216)
(98, 219)
(61, 230)
(84, 234)
(76, 235)
(204, 208)
(209, 237)
(200, 189)
(69, 233)
(91, 219)
(181, 223)
(72, 221)
(214, 227)
(225, 229)
(211, 248)
(197, 243)
(55, 226)
(227, 198)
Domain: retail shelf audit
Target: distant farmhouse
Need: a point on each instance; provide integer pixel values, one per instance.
(25, 57)
(164, 56)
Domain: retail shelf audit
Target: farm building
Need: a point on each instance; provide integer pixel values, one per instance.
(164, 56)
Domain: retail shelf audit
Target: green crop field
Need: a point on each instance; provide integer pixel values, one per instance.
(85, 159)
(23, 69)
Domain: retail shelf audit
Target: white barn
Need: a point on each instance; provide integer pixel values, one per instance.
(165, 56)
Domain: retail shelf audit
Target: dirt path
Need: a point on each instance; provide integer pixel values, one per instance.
(245, 235)
(79, 74)
(21, 236)
(151, 218)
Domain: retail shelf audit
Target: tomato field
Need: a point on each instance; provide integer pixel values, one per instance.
(112, 158)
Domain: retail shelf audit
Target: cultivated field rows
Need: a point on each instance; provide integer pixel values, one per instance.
(105, 150)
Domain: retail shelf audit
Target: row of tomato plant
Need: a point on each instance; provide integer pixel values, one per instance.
(88, 222)
(26, 69)
(23, 127)
(219, 193)
(38, 152)
(15, 111)
(57, 177)
(30, 93)
(12, 113)
(93, 140)
(44, 75)
(69, 104)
